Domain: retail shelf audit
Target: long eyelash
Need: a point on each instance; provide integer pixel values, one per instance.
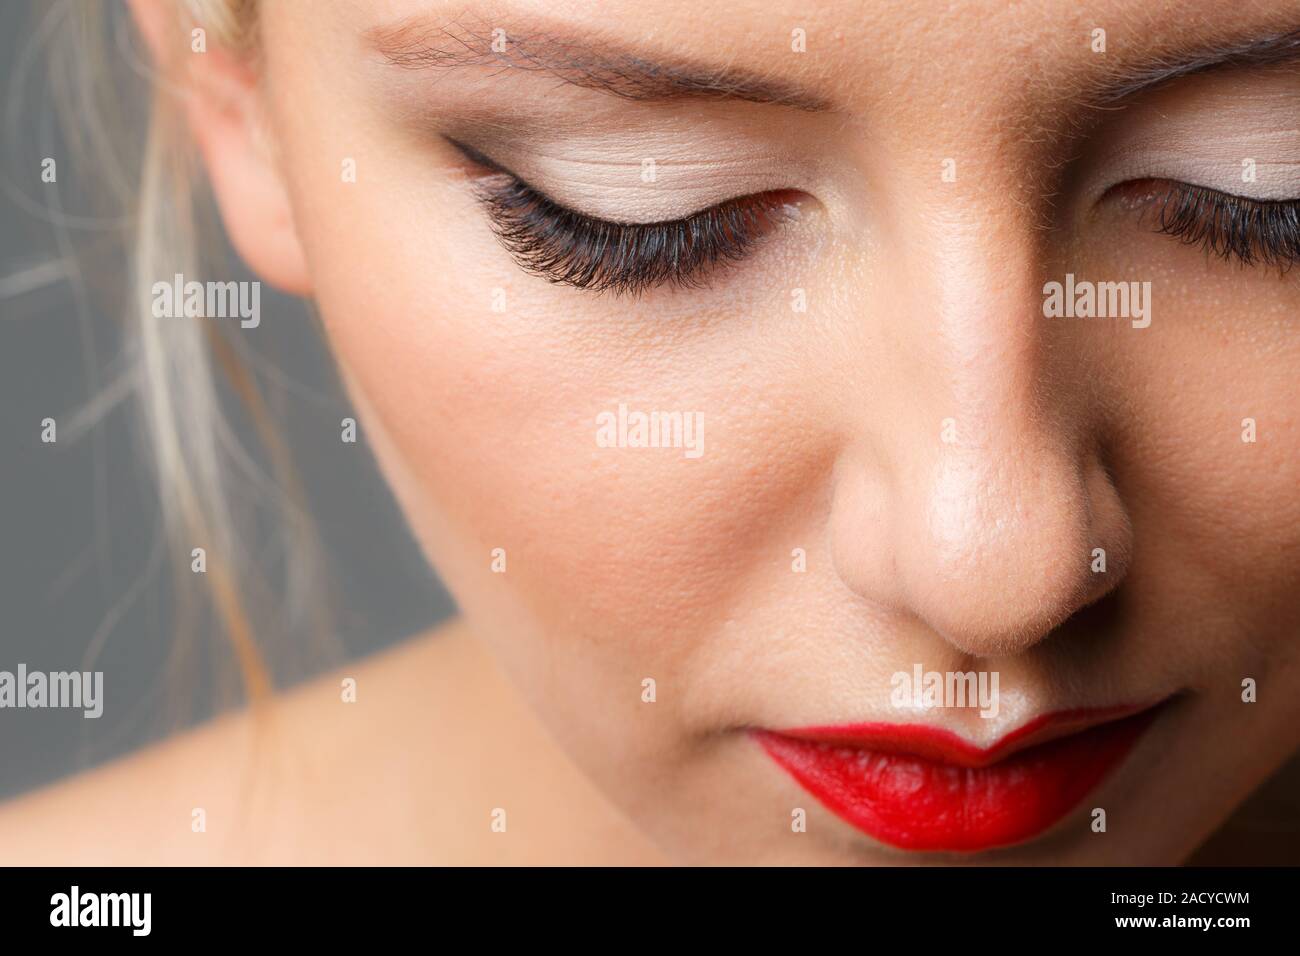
(569, 248)
(1251, 231)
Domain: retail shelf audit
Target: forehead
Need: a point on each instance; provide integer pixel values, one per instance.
(867, 55)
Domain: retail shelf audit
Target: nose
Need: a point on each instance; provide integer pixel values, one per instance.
(976, 499)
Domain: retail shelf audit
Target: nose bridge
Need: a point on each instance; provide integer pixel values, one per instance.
(971, 304)
(1002, 486)
(994, 499)
(985, 344)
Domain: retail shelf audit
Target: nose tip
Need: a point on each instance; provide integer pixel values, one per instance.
(992, 551)
(1009, 550)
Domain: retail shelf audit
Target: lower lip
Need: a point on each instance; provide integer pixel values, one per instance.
(943, 803)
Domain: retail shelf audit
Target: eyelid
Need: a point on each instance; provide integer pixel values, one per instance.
(568, 247)
(1255, 171)
(1251, 231)
(497, 169)
(1143, 189)
(480, 159)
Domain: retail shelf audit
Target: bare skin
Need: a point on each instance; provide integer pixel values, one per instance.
(300, 782)
(307, 796)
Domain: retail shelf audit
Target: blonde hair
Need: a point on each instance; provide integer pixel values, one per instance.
(180, 370)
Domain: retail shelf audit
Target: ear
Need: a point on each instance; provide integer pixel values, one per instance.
(225, 114)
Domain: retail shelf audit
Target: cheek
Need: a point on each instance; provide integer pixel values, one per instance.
(490, 419)
(1218, 393)
(1204, 429)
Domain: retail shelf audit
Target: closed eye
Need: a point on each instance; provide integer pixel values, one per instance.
(1238, 228)
(567, 247)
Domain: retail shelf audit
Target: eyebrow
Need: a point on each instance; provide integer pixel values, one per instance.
(416, 45)
(1270, 50)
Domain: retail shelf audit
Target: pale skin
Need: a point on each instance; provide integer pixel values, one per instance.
(305, 785)
(946, 458)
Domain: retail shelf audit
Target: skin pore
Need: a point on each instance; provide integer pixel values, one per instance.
(824, 427)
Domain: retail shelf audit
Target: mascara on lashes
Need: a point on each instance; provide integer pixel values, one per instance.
(567, 247)
(1252, 232)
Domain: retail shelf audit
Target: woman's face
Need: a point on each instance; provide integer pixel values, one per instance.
(896, 451)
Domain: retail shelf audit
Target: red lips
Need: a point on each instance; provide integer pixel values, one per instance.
(921, 788)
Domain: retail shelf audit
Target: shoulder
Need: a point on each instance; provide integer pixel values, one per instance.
(275, 784)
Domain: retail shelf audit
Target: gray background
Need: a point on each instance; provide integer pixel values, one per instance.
(79, 520)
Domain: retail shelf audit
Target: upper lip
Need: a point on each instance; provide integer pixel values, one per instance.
(945, 746)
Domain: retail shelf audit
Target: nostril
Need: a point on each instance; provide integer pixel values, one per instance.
(991, 546)
(1099, 617)
(1005, 593)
